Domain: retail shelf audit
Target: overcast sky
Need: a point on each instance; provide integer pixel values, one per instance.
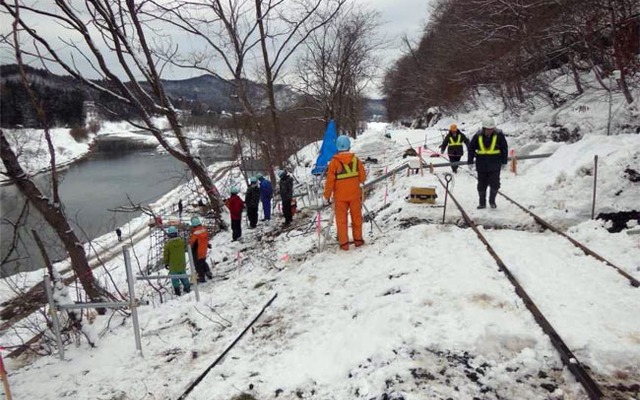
(398, 18)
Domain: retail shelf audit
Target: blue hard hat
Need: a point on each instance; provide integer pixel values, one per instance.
(172, 231)
(343, 143)
(234, 190)
(195, 221)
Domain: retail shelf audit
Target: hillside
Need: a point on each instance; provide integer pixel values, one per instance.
(63, 97)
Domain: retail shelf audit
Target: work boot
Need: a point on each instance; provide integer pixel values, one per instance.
(201, 279)
(209, 275)
(358, 243)
(177, 291)
(493, 205)
(481, 206)
(187, 289)
(492, 197)
(344, 246)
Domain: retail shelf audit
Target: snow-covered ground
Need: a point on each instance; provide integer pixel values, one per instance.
(420, 312)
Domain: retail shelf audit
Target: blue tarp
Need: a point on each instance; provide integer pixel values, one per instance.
(327, 150)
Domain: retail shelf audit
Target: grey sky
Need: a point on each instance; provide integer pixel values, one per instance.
(398, 18)
(401, 18)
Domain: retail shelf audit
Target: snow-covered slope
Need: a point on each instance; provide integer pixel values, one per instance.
(420, 312)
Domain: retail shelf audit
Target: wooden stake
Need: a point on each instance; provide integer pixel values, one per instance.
(5, 381)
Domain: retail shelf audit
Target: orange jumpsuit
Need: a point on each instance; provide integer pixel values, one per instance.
(344, 176)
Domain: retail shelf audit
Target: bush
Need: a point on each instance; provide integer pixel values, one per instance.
(244, 396)
(94, 126)
(79, 133)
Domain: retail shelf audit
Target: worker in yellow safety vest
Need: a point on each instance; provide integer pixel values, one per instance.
(491, 151)
(345, 174)
(454, 141)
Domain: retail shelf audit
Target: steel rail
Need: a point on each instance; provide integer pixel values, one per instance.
(568, 358)
(634, 282)
(405, 165)
(224, 353)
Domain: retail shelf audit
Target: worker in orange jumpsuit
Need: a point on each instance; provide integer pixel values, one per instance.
(345, 174)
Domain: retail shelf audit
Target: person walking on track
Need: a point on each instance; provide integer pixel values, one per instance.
(491, 151)
(454, 141)
(199, 242)
(345, 174)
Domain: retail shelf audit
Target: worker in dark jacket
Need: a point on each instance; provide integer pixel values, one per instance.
(454, 141)
(489, 148)
(286, 194)
(252, 199)
(235, 205)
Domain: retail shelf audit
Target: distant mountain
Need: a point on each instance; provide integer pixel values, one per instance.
(63, 97)
(214, 91)
(220, 94)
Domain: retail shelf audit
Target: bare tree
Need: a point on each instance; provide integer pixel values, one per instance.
(122, 28)
(514, 48)
(238, 31)
(338, 64)
(51, 209)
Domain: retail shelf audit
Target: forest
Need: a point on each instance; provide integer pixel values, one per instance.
(513, 49)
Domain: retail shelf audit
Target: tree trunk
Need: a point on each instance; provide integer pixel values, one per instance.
(54, 216)
(273, 111)
(576, 76)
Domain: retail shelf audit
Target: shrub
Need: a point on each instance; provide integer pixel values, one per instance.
(93, 126)
(79, 133)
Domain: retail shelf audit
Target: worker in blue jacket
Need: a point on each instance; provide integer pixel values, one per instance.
(266, 193)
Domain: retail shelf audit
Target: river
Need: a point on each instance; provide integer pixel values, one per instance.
(88, 189)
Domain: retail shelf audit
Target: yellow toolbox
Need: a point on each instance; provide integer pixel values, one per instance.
(423, 195)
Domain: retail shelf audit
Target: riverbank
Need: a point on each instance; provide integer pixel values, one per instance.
(94, 180)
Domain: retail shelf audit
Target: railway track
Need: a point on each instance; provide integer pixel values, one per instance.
(553, 269)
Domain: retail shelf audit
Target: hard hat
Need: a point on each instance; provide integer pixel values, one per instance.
(234, 190)
(253, 179)
(260, 176)
(453, 127)
(488, 123)
(343, 143)
(195, 221)
(172, 231)
(280, 173)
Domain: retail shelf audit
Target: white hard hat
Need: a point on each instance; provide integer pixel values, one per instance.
(488, 123)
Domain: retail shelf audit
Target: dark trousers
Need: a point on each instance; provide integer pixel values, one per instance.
(236, 229)
(252, 214)
(266, 208)
(454, 158)
(202, 268)
(286, 210)
(489, 179)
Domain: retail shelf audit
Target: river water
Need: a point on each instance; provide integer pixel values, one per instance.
(89, 188)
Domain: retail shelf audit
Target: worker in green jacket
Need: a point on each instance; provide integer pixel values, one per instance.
(174, 260)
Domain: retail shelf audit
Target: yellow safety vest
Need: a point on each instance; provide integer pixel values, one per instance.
(492, 148)
(349, 171)
(454, 142)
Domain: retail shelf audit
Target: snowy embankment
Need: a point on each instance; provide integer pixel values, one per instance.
(420, 312)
